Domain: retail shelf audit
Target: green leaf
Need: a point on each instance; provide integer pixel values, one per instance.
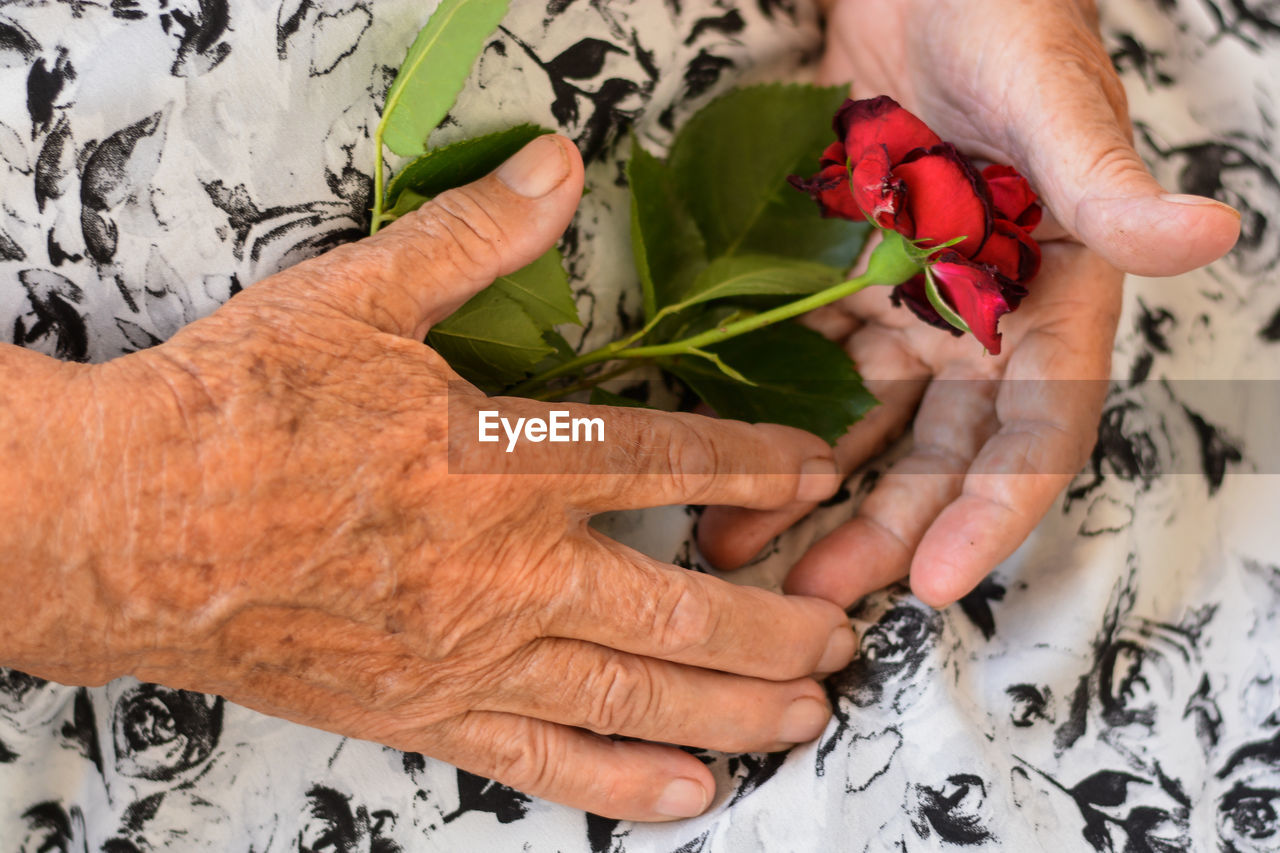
(454, 165)
(407, 202)
(801, 380)
(757, 275)
(434, 70)
(561, 351)
(564, 351)
(504, 332)
(731, 160)
(792, 225)
(940, 305)
(668, 249)
(601, 397)
(542, 290)
(696, 320)
(720, 365)
(491, 340)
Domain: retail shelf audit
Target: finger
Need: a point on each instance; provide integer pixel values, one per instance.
(730, 537)
(1070, 134)
(623, 780)
(420, 268)
(875, 548)
(1048, 407)
(1012, 484)
(621, 599)
(637, 458)
(614, 693)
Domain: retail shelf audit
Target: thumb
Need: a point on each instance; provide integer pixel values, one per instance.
(1080, 155)
(420, 268)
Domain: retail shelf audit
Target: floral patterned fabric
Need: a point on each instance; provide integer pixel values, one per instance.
(1112, 686)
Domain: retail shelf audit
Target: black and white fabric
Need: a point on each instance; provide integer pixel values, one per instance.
(1113, 686)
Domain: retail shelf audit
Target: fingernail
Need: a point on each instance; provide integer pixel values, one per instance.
(803, 721)
(819, 479)
(1197, 201)
(535, 169)
(682, 798)
(840, 648)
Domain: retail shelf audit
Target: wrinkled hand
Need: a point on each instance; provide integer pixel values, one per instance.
(1028, 83)
(277, 523)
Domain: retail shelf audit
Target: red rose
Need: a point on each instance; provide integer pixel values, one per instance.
(979, 293)
(1010, 250)
(943, 197)
(891, 169)
(1013, 197)
(830, 187)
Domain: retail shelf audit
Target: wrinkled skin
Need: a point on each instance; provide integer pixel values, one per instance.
(263, 508)
(1029, 84)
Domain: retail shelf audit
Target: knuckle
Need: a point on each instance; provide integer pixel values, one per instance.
(622, 692)
(692, 462)
(1114, 161)
(463, 234)
(682, 617)
(351, 279)
(527, 763)
(613, 794)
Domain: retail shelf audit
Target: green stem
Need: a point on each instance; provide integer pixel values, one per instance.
(588, 384)
(619, 349)
(377, 181)
(754, 322)
(647, 328)
(605, 353)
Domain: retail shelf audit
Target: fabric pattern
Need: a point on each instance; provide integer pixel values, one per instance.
(1111, 687)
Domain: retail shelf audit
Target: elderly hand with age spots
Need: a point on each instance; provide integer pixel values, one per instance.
(995, 439)
(263, 508)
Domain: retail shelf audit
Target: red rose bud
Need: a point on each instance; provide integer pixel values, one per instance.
(979, 294)
(887, 166)
(976, 292)
(1013, 197)
(911, 294)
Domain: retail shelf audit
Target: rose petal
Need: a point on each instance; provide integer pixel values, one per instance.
(830, 189)
(946, 198)
(834, 156)
(911, 294)
(879, 195)
(1013, 197)
(881, 123)
(978, 295)
(1011, 251)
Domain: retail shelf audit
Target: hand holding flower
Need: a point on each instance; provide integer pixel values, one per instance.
(1030, 84)
(1027, 83)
